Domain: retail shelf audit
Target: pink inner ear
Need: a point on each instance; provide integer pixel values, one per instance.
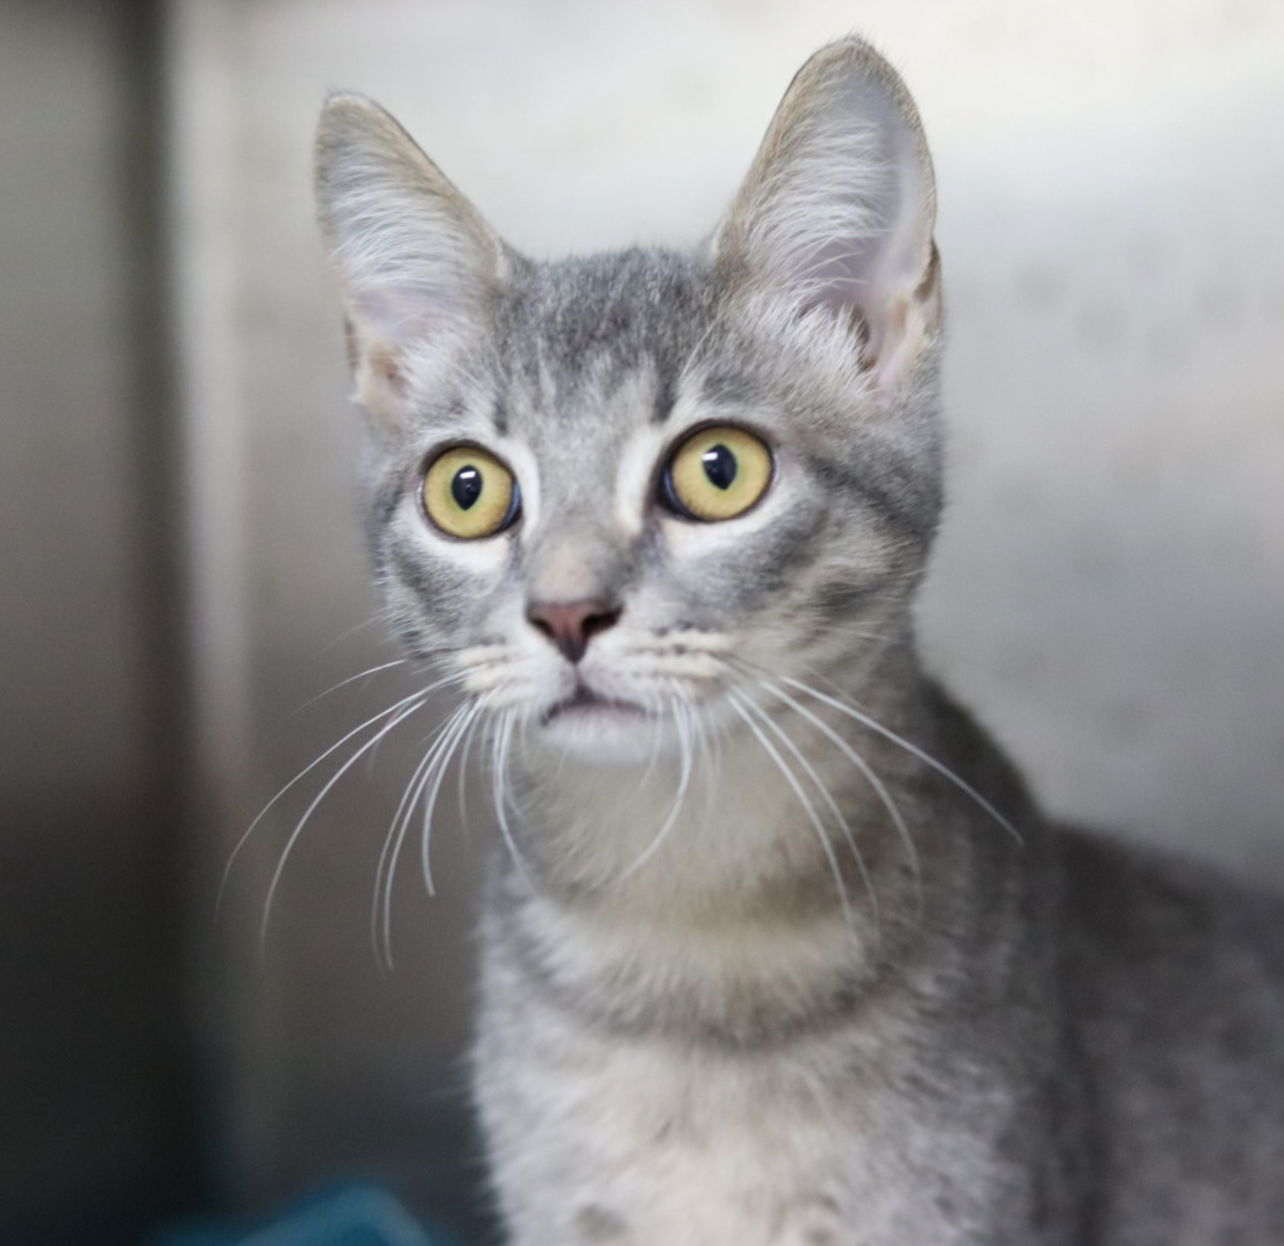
(835, 278)
(837, 212)
(399, 313)
(377, 368)
(385, 367)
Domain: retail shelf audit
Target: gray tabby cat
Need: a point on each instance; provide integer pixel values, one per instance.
(780, 950)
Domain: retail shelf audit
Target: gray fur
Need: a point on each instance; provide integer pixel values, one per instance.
(755, 970)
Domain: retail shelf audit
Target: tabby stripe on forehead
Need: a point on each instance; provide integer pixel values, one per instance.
(664, 398)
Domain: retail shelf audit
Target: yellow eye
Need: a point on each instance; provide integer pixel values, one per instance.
(469, 493)
(717, 473)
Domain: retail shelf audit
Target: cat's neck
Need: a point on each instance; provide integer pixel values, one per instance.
(805, 798)
(724, 908)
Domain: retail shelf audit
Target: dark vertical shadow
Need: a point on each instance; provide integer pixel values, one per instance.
(184, 1181)
(100, 1137)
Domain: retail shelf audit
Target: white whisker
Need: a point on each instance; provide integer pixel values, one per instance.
(390, 838)
(338, 744)
(457, 733)
(810, 771)
(351, 679)
(418, 703)
(680, 723)
(871, 776)
(700, 730)
(735, 702)
(405, 811)
(380, 616)
(461, 774)
(499, 793)
(926, 758)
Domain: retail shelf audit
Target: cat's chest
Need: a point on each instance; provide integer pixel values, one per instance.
(639, 1143)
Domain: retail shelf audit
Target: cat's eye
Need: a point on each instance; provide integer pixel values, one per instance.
(469, 493)
(717, 473)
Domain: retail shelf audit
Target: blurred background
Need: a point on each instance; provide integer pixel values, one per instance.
(181, 565)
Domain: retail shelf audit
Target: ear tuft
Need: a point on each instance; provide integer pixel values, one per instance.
(415, 260)
(838, 208)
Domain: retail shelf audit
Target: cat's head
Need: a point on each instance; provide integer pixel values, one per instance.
(606, 492)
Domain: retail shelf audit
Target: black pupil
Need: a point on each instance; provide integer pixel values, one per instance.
(466, 487)
(719, 466)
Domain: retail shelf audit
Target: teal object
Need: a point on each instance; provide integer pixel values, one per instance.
(346, 1215)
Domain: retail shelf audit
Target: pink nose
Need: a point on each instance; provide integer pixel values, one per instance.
(570, 625)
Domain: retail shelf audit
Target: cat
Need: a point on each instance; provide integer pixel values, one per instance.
(778, 950)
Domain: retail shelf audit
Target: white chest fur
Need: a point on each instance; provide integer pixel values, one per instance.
(647, 1142)
(632, 1142)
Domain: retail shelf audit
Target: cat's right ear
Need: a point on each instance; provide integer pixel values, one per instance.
(415, 260)
(836, 213)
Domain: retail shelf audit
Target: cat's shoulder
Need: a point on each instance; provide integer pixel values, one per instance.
(1150, 921)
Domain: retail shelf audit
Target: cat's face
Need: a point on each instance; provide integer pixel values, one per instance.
(609, 495)
(677, 503)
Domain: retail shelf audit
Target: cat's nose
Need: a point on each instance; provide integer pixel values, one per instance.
(570, 625)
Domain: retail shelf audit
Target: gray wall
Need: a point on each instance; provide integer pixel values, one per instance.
(1109, 592)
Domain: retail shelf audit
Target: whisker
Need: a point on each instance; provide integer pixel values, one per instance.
(719, 735)
(433, 768)
(338, 744)
(461, 774)
(381, 615)
(386, 850)
(419, 780)
(499, 793)
(871, 776)
(652, 755)
(458, 733)
(735, 702)
(700, 730)
(680, 724)
(926, 758)
(810, 771)
(419, 702)
(343, 683)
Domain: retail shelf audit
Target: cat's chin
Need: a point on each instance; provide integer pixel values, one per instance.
(601, 730)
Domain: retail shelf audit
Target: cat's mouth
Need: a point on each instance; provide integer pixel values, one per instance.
(584, 703)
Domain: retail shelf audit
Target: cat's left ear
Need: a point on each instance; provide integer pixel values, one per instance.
(415, 260)
(838, 208)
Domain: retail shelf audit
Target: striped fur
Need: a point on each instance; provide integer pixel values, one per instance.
(777, 950)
